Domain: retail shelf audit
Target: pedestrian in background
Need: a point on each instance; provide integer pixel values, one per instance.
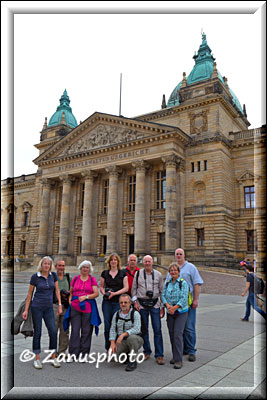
(251, 299)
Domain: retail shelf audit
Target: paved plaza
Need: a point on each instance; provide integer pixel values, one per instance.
(230, 359)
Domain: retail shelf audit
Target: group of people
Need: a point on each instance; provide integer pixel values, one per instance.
(131, 298)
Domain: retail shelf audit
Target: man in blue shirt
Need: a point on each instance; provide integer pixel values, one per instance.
(191, 275)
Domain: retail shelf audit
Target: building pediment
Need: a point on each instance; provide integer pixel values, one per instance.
(105, 131)
(247, 176)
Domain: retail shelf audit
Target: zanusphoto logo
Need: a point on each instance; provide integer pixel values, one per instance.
(91, 358)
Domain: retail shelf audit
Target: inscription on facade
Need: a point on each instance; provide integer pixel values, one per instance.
(100, 160)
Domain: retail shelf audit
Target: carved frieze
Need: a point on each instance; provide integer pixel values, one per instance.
(102, 136)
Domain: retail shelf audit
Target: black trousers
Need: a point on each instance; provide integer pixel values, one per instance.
(176, 324)
(81, 332)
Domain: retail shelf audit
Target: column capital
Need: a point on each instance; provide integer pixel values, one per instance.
(114, 170)
(171, 160)
(140, 165)
(89, 174)
(47, 182)
(67, 178)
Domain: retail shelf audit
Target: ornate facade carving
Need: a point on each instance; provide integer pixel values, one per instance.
(198, 122)
(101, 136)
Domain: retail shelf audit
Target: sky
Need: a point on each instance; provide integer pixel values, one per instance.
(86, 52)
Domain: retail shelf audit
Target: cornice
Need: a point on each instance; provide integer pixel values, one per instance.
(212, 139)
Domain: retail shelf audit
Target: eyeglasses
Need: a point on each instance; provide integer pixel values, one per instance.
(179, 254)
(124, 302)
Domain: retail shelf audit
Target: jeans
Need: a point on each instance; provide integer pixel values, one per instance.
(190, 332)
(38, 314)
(251, 301)
(108, 309)
(156, 325)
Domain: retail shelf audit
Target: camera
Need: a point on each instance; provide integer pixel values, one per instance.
(149, 294)
(64, 295)
(107, 293)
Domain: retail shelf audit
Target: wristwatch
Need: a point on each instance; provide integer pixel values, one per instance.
(87, 297)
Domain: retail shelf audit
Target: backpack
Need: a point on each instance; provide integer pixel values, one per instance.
(190, 296)
(258, 285)
(55, 301)
(143, 325)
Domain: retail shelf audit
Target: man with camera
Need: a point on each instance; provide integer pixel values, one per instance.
(146, 294)
(64, 280)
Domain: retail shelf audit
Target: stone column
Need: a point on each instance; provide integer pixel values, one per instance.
(44, 217)
(112, 217)
(180, 211)
(139, 220)
(64, 216)
(87, 212)
(171, 204)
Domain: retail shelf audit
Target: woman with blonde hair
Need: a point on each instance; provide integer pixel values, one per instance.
(45, 281)
(113, 283)
(83, 289)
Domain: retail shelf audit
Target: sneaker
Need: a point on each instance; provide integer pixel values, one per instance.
(191, 357)
(244, 319)
(37, 364)
(131, 366)
(160, 361)
(55, 363)
(172, 361)
(178, 365)
(146, 357)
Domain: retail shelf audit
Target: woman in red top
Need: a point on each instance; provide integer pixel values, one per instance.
(83, 287)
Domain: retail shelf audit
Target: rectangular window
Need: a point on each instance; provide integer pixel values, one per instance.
(81, 199)
(59, 201)
(205, 165)
(131, 197)
(192, 167)
(252, 240)
(26, 218)
(11, 220)
(249, 192)
(23, 247)
(198, 166)
(161, 241)
(9, 249)
(200, 237)
(161, 189)
(105, 196)
(79, 245)
(103, 244)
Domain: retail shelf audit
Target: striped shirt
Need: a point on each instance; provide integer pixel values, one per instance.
(174, 296)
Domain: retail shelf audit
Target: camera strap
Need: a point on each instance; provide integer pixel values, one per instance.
(152, 279)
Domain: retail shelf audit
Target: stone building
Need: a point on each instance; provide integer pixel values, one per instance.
(191, 174)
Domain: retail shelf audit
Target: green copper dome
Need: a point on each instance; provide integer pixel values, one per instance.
(63, 107)
(203, 68)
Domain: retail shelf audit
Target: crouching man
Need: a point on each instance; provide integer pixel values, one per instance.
(125, 332)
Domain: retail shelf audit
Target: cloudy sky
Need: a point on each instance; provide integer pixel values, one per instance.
(86, 52)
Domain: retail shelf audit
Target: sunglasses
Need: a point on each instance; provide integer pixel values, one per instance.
(124, 302)
(179, 254)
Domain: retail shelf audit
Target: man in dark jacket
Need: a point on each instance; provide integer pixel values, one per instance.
(251, 299)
